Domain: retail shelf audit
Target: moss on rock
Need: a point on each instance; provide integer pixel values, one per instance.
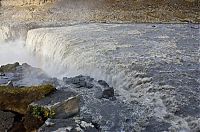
(18, 99)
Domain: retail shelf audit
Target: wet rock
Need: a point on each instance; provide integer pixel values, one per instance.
(156, 126)
(48, 123)
(24, 75)
(6, 121)
(108, 93)
(66, 125)
(60, 104)
(103, 83)
(80, 81)
(89, 127)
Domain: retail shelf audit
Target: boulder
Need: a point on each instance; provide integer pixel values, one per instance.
(9, 67)
(58, 105)
(18, 99)
(108, 93)
(80, 81)
(103, 83)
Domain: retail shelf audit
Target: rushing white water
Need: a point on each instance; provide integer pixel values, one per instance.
(101, 51)
(116, 53)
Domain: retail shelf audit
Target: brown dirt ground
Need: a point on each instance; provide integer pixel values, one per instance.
(126, 11)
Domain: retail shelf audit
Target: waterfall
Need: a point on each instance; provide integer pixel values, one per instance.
(87, 49)
(116, 53)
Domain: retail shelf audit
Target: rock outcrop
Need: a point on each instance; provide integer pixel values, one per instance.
(61, 104)
(18, 99)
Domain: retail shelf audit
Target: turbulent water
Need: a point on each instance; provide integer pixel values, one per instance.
(121, 54)
(157, 66)
(117, 53)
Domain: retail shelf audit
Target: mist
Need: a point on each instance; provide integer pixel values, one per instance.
(15, 51)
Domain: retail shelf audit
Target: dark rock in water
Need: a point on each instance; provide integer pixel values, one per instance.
(6, 121)
(89, 85)
(103, 114)
(108, 93)
(156, 126)
(103, 83)
(79, 81)
(2, 74)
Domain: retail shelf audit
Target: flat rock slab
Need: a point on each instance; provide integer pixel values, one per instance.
(64, 104)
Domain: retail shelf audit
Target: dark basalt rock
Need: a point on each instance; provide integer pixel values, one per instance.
(103, 83)
(2, 74)
(79, 81)
(156, 126)
(6, 120)
(108, 93)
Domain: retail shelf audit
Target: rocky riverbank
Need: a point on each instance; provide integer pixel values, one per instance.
(83, 104)
(78, 104)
